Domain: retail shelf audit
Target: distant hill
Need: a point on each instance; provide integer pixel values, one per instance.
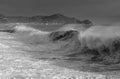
(52, 19)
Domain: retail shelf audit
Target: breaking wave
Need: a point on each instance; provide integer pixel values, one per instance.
(102, 31)
(95, 43)
(26, 28)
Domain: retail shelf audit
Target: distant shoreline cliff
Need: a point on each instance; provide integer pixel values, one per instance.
(52, 19)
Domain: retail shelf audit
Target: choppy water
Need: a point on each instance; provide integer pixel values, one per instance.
(20, 59)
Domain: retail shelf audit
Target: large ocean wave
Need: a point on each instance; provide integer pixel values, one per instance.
(95, 43)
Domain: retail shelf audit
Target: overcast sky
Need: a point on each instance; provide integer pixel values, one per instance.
(99, 11)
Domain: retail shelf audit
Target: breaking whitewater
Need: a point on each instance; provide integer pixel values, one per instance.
(73, 49)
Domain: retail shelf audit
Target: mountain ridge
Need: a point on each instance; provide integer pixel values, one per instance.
(50, 19)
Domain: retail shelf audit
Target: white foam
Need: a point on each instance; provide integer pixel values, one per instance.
(102, 32)
(38, 32)
(22, 27)
(32, 31)
(4, 46)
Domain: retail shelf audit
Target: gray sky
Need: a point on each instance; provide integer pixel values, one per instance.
(99, 11)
